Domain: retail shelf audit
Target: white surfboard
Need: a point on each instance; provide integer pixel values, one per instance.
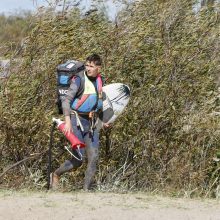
(115, 98)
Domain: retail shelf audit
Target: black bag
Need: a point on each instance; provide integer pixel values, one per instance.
(65, 72)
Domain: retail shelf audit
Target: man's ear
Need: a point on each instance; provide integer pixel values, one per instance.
(99, 69)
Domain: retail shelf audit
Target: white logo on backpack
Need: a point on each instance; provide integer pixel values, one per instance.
(63, 91)
(70, 65)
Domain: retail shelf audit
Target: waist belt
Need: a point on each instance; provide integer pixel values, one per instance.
(83, 113)
(91, 116)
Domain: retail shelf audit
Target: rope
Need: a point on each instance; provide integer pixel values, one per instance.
(78, 120)
(78, 151)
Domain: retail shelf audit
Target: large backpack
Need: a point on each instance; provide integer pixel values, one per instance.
(65, 72)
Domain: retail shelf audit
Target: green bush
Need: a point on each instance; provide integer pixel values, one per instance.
(168, 54)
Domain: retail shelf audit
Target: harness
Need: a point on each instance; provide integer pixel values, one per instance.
(89, 102)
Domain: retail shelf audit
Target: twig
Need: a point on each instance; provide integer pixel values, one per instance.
(19, 162)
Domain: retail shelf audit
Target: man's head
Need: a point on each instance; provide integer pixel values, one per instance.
(93, 65)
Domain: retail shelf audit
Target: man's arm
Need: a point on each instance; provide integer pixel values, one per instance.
(66, 103)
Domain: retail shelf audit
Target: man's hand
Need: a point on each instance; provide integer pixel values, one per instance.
(68, 126)
(105, 125)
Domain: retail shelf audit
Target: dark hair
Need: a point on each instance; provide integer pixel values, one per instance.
(95, 58)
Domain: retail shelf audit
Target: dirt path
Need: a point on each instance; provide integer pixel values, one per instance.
(103, 206)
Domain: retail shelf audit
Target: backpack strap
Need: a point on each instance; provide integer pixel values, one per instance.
(82, 82)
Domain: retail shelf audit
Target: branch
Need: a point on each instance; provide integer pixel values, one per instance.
(21, 161)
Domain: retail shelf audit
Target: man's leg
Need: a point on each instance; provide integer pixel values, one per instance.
(73, 162)
(92, 151)
(68, 165)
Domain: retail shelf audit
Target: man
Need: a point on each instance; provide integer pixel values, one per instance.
(80, 106)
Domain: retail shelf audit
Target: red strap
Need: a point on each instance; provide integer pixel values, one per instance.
(82, 100)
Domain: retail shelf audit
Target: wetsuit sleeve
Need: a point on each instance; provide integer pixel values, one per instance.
(70, 95)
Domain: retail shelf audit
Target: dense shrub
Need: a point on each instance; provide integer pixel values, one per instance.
(167, 53)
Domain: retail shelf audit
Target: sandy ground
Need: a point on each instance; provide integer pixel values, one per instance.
(105, 206)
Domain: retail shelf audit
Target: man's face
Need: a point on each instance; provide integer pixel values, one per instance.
(92, 69)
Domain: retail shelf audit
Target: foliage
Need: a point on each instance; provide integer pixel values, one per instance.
(13, 30)
(167, 54)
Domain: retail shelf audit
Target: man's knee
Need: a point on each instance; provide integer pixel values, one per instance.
(93, 155)
(65, 167)
(76, 160)
(76, 163)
